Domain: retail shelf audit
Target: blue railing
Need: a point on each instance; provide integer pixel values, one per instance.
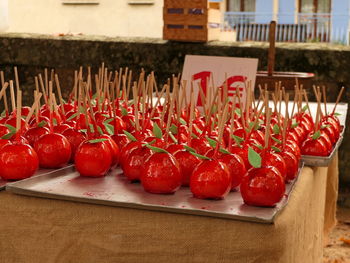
(302, 27)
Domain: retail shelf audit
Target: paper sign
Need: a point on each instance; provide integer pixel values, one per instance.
(210, 69)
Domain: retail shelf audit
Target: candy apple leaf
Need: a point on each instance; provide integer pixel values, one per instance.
(316, 135)
(124, 111)
(11, 128)
(276, 140)
(182, 121)
(173, 137)
(91, 128)
(42, 124)
(54, 121)
(190, 149)
(222, 150)
(156, 149)
(276, 149)
(109, 128)
(200, 156)
(254, 158)
(130, 136)
(276, 129)
(337, 114)
(212, 142)
(108, 120)
(304, 108)
(73, 116)
(8, 136)
(237, 139)
(97, 140)
(173, 129)
(99, 130)
(157, 131)
(294, 124)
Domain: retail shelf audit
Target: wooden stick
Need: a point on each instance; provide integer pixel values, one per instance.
(307, 102)
(16, 78)
(59, 93)
(286, 121)
(5, 96)
(324, 99)
(13, 100)
(338, 99)
(191, 117)
(267, 130)
(19, 109)
(165, 105)
(46, 81)
(3, 90)
(129, 84)
(34, 106)
(43, 89)
(171, 109)
(135, 97)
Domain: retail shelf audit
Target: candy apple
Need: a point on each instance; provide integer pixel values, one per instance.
(262, 187)
(18, 161)
(210, 179)
(53, 149)
(75, 138)
(187, 163)
(161, 174)
(93, 158)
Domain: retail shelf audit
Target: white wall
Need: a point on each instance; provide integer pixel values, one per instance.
(109, 18)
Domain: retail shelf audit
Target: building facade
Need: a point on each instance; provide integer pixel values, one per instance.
(299, 20)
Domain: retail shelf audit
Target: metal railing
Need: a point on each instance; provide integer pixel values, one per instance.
(301, 27)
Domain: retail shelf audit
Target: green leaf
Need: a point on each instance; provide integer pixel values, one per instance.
(173, 129)
(294, 124)
(200, 156)
(222, 150)
(91, 128)
(54, 121)
(238, 111)
(73, 116)
(105, 115)
(276, 129)
(212, 142)
(278, 150)
(237, 139)
(156, 149)
(109, 128)
(157, 131)
(276, 140)
(97, 140)
(214, 109)
(124, 111)
(197, 129)
(11, 128)
(304, 108)
(190, 149)
(94, 96)
(83, 130)
(337, 114)
(130, 136)
(258, 146)
(132, 123)
(108, 120)
(3, 113)
(173, 137)
(8, 136)
(325, 126)
(254, 158)
(316, 135)
(42, 124)
(100, 131)
(182, 121)
(194, 136)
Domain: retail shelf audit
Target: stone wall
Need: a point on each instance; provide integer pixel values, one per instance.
(32, 53)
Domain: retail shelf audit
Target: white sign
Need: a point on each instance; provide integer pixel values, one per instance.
(207, 69)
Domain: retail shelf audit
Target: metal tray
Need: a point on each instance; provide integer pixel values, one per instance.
(320, 161)
(115, 190)
(3, 183)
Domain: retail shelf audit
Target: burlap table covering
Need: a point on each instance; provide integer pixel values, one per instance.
(43, 230)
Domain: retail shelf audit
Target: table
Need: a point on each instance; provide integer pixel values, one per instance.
(43, 230)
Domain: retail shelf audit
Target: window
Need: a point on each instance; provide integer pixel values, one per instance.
(241, 5)
(314, 6)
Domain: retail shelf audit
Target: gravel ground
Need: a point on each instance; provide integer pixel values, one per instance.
(338, 251)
